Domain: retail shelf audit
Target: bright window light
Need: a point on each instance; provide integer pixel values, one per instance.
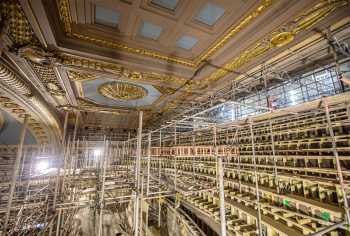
(293, 97)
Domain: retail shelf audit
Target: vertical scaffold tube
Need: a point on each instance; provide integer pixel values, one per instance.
(256, 177)
(274, 157)
(148, 161)
(175, 163)
(15, 173)
(159, 175)
(338, 164)
(137, 175)
(221, 187)
(103, 179)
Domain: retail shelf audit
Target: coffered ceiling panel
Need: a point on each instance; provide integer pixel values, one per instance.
(159, 25)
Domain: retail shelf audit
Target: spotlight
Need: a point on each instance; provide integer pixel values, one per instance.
(97, 152)
(42, 165)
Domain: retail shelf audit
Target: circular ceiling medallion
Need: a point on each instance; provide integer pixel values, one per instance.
(282, 39)
(122, 91)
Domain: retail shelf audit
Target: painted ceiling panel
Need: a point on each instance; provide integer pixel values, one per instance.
(169, 4)
(186, 42)
(210, 14)
(150, 30)
(106, 16)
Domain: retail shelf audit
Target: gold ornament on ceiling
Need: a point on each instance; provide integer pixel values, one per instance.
(19, 29)
(281, 39)
(66, 19)
(119, 70)
(79, 76)
(48, 77)
(165, 90)
(11, 80)
(19, 112)
(90, 106)
(37, 55)
(122, 91)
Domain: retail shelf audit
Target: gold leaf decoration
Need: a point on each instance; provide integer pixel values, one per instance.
(19, 29)
(19, 112)
(86, 63)
(48, 77)
(80, 76)
(66, 19)
(122, 91)
(165, 90)
(11, 79)
(235, 30)
(279, 38)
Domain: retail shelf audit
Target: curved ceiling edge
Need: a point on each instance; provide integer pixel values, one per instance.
(43, 122)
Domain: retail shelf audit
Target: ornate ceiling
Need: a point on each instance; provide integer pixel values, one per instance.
(109, 57)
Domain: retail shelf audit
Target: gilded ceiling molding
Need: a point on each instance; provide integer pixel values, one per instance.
(80, 76)
(119, 70)
(64, 12)
(48, 77)
(151, 76)
(280, 37)
(36, 55)
(18, 112)
(27, 46)
(65, 16)
(165, 90)
(235, 30)
(87, 63)
(10, 79)
(138, 51)
(17, 101)
(18, 27)
(90, 106)
(122, 91)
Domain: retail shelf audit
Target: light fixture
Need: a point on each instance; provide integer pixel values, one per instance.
(42, 165)
(97, 152)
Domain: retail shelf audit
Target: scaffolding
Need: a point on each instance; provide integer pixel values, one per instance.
(240, 164)
(254, 175)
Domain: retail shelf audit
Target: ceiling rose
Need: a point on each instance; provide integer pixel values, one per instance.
(122, 91)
